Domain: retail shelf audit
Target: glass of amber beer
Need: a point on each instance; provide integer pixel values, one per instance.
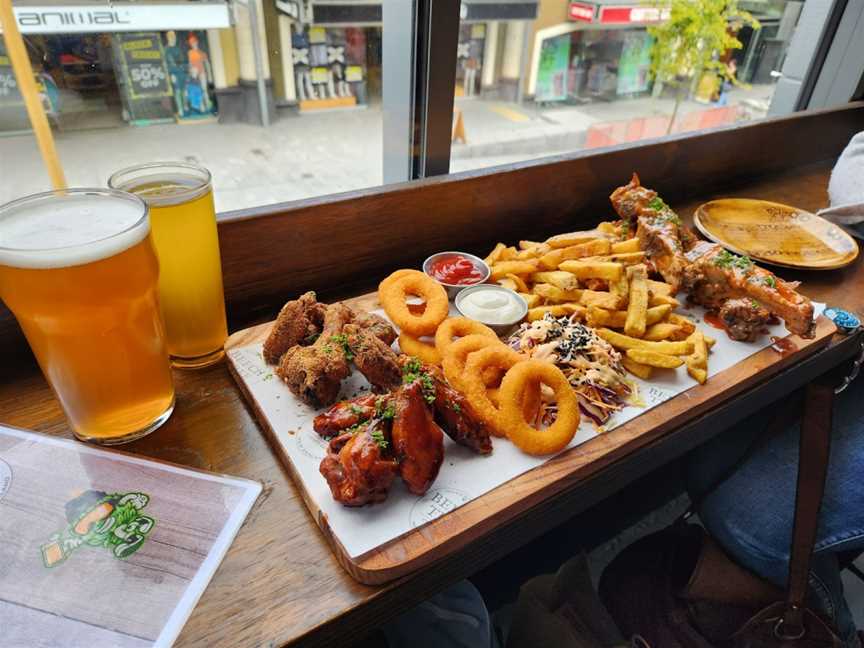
(183, 219)
(78, 271)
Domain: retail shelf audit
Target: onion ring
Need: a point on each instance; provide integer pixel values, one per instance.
(492, 356)
(453, 361)
(527, 438)
(393, 293)
(459, 327)
(531, 406)
(416, 347)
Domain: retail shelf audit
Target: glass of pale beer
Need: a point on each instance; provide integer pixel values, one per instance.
(78, 271)
(183, 221)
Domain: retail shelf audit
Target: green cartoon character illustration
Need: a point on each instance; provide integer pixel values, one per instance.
(111, 520)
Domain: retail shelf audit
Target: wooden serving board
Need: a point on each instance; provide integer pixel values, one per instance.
(426, 544)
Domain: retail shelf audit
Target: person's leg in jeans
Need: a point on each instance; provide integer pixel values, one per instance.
(751, 513)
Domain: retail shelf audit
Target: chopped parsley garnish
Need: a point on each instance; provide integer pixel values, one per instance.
(457, 407)
(769, 281)
(357, 411)
(342, 340)
(413, 370)
(385, 409)
(725, 259)
(664, 211)
(378, 437)
(625, 228)
(754, 303)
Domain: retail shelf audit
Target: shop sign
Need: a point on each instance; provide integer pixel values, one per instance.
(581, 11)
(627, 15)
(120, 17)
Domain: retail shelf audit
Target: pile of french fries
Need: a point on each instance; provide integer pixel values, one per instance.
(603, 280)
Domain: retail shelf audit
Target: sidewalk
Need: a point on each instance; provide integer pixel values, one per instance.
(302, 156)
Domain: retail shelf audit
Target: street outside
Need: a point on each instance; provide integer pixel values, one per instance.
(301, 156)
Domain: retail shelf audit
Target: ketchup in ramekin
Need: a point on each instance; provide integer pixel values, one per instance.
(456, 270)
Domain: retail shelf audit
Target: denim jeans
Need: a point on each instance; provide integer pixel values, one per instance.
(751, 513)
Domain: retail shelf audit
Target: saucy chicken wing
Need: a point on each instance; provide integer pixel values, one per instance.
(358, 467)
(417, 441)
(315, 373)
(345, 414)
(299, 322)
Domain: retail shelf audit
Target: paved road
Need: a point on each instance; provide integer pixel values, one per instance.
(301, 156)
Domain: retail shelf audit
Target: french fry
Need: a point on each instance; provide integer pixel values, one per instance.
(504, 268)
(654, 359)
(686, 324)
(608, 227)
(555, 294)
(574, 238)
(558, 310)
(508, 254)
(625, 258)
(507, 283)
(630, 245)
(620, 341)
(697, 361)
(659, 288)
(709, 341)
(662, 331)
(637, 368)
(621, 289)
(600, 299)
(637, 307)
(656, 300)
(495, 254)
(553, 259)
(531, 299)
(587, 270)
(526, 245)
(558, 278)
(598, 317)
(521, 286)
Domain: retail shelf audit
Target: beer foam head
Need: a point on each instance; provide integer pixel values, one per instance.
(60, 229)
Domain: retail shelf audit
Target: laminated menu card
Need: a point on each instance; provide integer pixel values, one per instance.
(100, 548)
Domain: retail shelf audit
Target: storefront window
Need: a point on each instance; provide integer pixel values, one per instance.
(180, 81)
(554, 76)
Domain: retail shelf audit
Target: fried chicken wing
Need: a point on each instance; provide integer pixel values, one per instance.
(657, 228)
(315, 373)
(346, 414)
(358, 467)
(417, 441)
(451, 410)
(299, 322)
(376, 360)
(377, 326)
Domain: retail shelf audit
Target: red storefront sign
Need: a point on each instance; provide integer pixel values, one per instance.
(619, 15)
(581, 11)
(616, 14)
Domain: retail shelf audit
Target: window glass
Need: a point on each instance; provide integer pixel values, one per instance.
(136, 82)
(552, 76)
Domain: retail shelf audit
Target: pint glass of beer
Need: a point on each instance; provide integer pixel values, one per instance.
(183, 223)
(78, 271)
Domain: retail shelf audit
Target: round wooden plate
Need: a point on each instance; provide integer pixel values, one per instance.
(775, 233)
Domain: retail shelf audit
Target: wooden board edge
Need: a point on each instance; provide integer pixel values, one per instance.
(372, 568)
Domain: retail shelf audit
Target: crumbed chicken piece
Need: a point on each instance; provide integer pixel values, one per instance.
(657, 228)
(418, 442)
(376, 360)
(744, 318)
(359, 467)
(452, 411)
(315, 373)
(299, 322)
(714, 275)
(346, 414)
(377, 326)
